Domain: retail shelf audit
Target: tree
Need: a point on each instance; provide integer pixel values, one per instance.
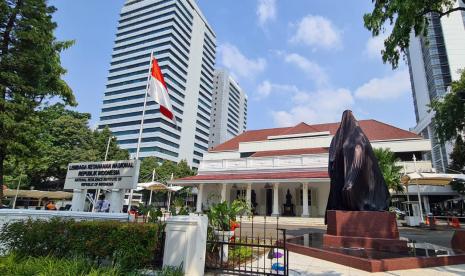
(30, 71)
(183, 170)
(147, 165)
(458, 156)
(389, 169)
(449, 117)
(100, 142)
(58, 137)
(405, 16)
(163, 171)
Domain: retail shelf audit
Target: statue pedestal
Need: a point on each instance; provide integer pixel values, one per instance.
(363, 229)
(458, 240)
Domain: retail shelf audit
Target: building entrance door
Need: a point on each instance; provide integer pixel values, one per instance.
(269, 201)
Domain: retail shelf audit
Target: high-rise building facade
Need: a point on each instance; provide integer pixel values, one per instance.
(185, 47)
(434, 62)
(229, 112)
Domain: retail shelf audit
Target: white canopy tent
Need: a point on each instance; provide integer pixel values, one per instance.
(433, 179)
(158, 187)
(37, 194)
(15, 193)
(440, 179)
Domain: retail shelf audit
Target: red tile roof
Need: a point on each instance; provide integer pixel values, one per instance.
(290, 152)
(254, 176)
(375, 130)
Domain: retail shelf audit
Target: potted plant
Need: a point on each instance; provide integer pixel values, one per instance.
(223, 220)
(178, 204)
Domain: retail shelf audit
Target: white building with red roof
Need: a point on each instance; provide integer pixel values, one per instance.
(283, 171)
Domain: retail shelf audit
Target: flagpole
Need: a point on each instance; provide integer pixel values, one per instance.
(141, 125)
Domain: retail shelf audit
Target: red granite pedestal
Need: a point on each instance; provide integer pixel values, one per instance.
(363, 229)
(458, 240)
(375, 232)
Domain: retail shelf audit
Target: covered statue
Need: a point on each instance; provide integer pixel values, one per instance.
(357, 183)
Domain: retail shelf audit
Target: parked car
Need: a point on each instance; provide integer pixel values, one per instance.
(399, 213)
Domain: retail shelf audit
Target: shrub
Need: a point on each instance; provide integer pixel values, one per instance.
(14, 265)
(124, 245)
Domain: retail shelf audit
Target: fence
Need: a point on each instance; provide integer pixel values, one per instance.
(251, 249)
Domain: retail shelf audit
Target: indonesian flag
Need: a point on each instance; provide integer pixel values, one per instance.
(159, 91)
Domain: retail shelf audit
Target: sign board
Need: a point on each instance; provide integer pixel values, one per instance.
(122, 174)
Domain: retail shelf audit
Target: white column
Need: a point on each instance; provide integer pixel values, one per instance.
(185, 243)
(116, 201)
(305, 213)
(426, 204)
(199, 198)
(249, 195)
(275, 200)
(79, 198)
(223, 192)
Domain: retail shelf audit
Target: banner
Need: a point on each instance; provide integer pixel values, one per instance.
(122, 174)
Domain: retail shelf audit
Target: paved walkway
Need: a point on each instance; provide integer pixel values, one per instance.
(300, 265)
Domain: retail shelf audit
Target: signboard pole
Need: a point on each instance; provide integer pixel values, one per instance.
(139, 140)
(106, 156)
(17, 191)
(151, 191)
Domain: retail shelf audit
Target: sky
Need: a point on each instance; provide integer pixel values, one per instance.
(298, 61)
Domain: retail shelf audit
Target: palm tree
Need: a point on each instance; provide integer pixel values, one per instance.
(389, 169)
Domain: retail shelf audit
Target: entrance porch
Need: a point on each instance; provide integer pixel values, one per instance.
(306, 199)
(276, 193)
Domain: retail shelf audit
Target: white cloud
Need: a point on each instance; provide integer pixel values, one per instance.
(317, 31)
(266, 11)
(265, 89)
(238, 64)
(325, 105)
(388, 87)
(374, 46)
(312, 69)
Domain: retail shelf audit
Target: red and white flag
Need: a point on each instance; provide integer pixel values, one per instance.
(159, 92)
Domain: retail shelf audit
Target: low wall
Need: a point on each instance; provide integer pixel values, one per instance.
(9, 215)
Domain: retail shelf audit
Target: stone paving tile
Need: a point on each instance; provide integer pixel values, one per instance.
(301, 265)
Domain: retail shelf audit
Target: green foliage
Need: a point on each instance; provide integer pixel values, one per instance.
(30, 72)
(163, 171)
(222, 214)
(126, 245)
(404, 16)
(147, 165)
(13, 265)
(458, 185)
(458, 156)
(239, 252)
(449, 118)
(391, 172)
(61, 136)
(171, 271)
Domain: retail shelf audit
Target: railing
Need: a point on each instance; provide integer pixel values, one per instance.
(295, 162)
(418, 166)
(263, 163)
(252, 249)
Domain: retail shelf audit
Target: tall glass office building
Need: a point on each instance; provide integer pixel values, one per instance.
(229, 114)
(434, 62)
(184, 45)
